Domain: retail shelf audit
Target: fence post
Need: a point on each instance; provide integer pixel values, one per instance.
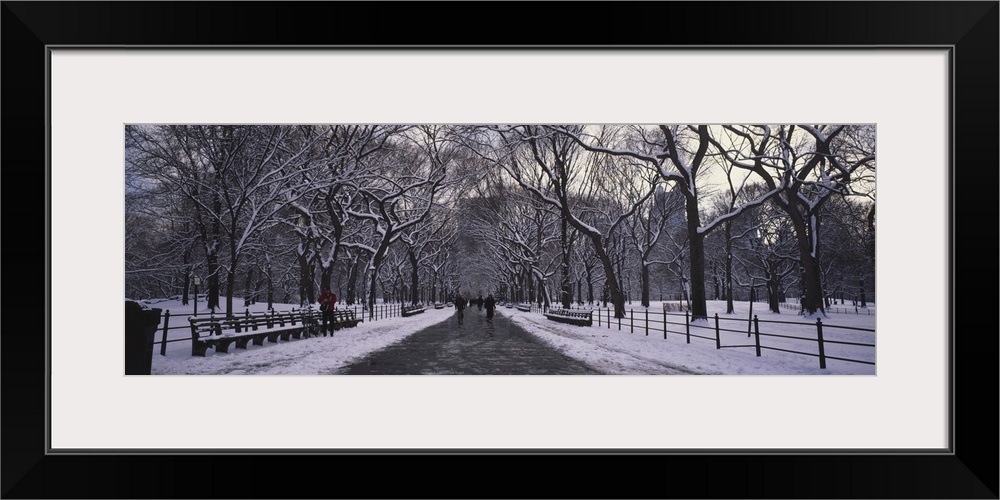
(756, 331)
(619, 321)
(631, 321)
(718, 342)
(647, 321)
(664, 325)
(163, 343)
(598, 317)
(687, 326)
(819, 334)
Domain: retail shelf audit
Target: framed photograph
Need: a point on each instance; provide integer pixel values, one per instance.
(917, 78)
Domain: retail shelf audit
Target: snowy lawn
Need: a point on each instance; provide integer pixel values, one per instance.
(615, 351)
(307, 356)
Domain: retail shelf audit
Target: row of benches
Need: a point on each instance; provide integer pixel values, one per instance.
(220, 333)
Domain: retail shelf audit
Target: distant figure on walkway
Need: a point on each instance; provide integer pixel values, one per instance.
(460, 307)
(327, 302)
(479, 302)
(491, 304)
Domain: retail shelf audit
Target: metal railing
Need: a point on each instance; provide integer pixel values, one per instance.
(681, 324)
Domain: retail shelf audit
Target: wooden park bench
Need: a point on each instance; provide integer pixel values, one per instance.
(344, 318)
(438, 305)
(410, 310)
(581, 318)
(524, 307)
(220, 333)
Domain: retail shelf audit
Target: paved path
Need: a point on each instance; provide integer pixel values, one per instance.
(475, 347)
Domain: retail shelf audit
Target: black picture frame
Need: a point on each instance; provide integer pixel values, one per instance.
(969, 28)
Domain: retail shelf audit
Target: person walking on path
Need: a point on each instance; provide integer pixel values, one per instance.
(491, 304)
(460, 307)
(479, 302)
(327, 301)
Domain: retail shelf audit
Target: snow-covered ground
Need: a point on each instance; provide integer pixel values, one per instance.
(608, 350)
(629, 350)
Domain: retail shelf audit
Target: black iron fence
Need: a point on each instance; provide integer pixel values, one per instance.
(721, 330)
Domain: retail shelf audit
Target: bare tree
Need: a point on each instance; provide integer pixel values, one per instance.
(571, 181)
(239, 178)
(805, 166)
(400, 193)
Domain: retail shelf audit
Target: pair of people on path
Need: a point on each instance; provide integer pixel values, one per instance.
(327, 302)
(461, 302)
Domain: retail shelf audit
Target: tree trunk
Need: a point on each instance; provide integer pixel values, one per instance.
(609, 271)
(247, 292)
(213, 281)
(230, 286)
(812, 299)
(414, 278)
(187, 276)
(699, 309)
(590, 284)
(564, 283)
(325, 275)
(352, 280)
(304, 277)
(644, 277)
(772, 291)
(543, 295)
(270, 288)
(376, 263)
(729, 270)
(715, 278)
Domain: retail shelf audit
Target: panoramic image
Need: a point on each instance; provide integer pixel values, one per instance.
(481, 249)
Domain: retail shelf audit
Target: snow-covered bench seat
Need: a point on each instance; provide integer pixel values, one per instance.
(438, 305)
(581, 318)
(410, 310)
(220, 333)
(524, 307)
(343, 318)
